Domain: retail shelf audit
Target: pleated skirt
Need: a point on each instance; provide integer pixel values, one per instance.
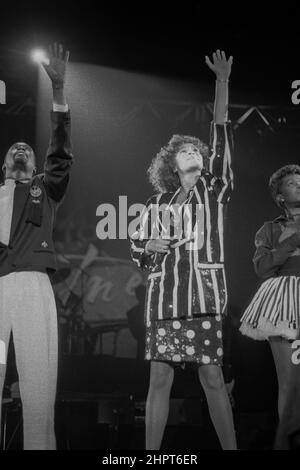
(274, 310)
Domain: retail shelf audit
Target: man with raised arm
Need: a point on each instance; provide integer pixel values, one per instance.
(28, 205)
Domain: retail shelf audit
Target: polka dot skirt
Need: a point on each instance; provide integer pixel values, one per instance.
(197, 340)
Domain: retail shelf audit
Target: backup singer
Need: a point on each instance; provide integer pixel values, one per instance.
(180, 240)
(274, 312)
(28, 205)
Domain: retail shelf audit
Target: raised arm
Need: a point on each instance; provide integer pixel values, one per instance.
(59, 156)
(56, 71)
(221, 139)
(222, 69)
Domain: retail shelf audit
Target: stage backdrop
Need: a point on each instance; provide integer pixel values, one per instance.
(119, 121)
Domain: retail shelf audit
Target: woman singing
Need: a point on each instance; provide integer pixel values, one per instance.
(180, 241)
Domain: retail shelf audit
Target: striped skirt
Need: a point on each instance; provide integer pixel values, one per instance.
(274, 310)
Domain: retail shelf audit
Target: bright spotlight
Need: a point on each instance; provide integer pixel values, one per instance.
(39, 56)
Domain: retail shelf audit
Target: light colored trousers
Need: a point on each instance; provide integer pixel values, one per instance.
(28, 309)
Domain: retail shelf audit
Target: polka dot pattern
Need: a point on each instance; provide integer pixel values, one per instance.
(190, 334)
(161, 332)
(220, 352)
(190, 350)
(205, 359)
(194, 340)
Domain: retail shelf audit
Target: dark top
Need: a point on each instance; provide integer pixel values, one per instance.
(272, 258)
(35, 204)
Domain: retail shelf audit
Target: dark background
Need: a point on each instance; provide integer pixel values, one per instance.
(162, 47)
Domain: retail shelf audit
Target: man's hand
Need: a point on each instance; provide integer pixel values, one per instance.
(56, 69)
(158, 246)
(220, 65)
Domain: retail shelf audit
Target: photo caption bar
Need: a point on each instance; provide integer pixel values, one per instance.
(149, 459)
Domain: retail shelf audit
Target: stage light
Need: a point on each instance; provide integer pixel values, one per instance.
(39, 56)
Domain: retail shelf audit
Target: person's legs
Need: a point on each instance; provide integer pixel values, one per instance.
(282, 354)
(5, 327)
(157, 405)
(35, 338)
(212, 381)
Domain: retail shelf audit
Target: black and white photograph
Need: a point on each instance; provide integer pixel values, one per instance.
(149, 229)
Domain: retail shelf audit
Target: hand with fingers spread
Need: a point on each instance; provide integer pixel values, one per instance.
(220, 65)
(158, 245)
(56, 69)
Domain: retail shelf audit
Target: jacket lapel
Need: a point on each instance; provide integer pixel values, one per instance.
(20, 198)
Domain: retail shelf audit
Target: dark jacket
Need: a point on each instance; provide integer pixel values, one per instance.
(35, 204)
(272, 258)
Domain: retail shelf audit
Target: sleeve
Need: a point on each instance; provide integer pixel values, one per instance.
(143, 234)
(220, 161)
(267, 260)
(59, 157)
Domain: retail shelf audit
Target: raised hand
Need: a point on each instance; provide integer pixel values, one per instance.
(220, 65)
(56, 69)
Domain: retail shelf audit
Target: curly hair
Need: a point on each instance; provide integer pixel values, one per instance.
(161, 171)
(276, 179)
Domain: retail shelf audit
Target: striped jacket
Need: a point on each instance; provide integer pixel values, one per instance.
(189, 280)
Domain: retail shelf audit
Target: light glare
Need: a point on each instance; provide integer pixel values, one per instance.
(39, 56)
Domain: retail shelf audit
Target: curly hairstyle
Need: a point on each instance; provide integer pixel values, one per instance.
(161, 171)
(276, 179)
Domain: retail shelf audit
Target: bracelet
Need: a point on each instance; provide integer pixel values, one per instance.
(222, 81)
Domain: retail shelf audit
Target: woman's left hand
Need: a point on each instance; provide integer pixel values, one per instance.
(220, 65)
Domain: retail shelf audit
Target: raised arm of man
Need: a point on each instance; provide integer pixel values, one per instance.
(59, 156)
